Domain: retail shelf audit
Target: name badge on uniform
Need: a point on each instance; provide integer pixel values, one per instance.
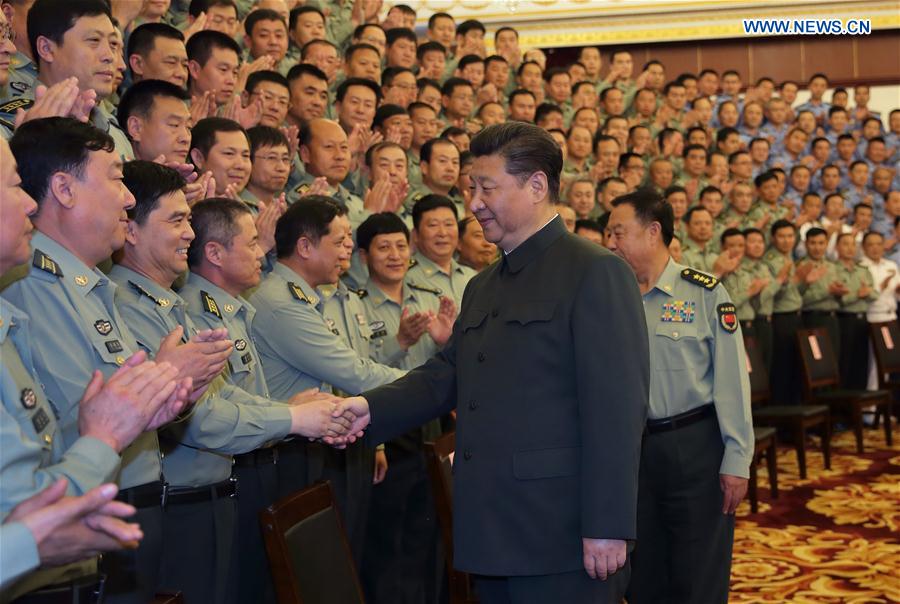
(103, 327)
(378, 330)
(360, 318)
(679, 311)
(40, 421)
(332, 326)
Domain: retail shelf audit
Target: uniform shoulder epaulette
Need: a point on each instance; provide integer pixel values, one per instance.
(413, 262)
(302, 188)
(362, 293)
(159, 301)
(431, 290)
(46, 264)
(14, 105)
(698, 278)
(297, 292)
(417, 197)
(209, 304)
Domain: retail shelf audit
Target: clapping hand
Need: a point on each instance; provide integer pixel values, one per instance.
(441, 325)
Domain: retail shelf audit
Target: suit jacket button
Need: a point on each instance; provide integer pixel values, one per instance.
(481, 357)
(473, 405)
(467, 455)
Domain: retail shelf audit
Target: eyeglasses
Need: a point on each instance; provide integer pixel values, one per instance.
(271, 159)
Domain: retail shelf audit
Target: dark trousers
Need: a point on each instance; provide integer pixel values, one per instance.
(854, 350)
(684, 541)
(785, 377)
(132, 576)
(574, 587)
(293, 471)
(198, 543)
(350, 472)
(258, 489)
(401, 561)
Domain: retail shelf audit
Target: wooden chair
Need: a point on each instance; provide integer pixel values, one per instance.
(821, 381)
(440, 470)
(795, 418)
(764, 438)
(308, 551)
(885, 338)
(168, 598)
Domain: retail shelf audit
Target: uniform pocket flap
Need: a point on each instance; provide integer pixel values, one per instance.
(546, 463)
(473, 319)
(676, 331)
(529, 312)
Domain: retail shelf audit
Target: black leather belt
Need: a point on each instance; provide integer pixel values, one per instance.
(819, 313)
(857, 315)
(795, 313)
(83, 590)
(681, 420)
(186, 495)
(148, 495)
(260, 457)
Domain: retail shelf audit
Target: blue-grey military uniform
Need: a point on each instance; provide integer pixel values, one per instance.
(698, 427)
(200, 515)
(397, 570)
(23, 75)
(34, 456)
(426, 273)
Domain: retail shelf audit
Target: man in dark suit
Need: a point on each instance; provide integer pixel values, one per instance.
(548, 371)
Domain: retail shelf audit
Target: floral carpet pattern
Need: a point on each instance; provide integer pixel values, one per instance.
(833, 537)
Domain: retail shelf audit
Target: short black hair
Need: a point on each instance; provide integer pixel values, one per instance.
(649, 207)
(355, 48)
(365, 83)
(390, 73)
(143, 38)
(503, 29)
(469, 60)
(435, 16)
(385, 112)
(202, 44)
(265, 136)
(590, 225)
(201, 6)
(781, 223)
(815, 232)
(453, 83)
(430, 46)
(149, 181)
(520, 92)
(139, 98)
(428, 147)
(214, 219)
(203, 134)
(304, 52)
(545, 109)
(46, 146)
(763, 178)
(51, 19)
(309, 219)
(399, 33)
(689, 148)
(371, 151)
(381, 223)
(526, 63)
(258, 77)
(295, 72)
(262, 14)
(296, 12)
(525, 149)
(430, 202)
(730, 232)
(469, 25)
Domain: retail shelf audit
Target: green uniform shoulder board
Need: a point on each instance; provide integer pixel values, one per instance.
(46, 264)
(16, 104)
(362, 293)
(297, 292)
(417, 197)
(302, 188)
(413, 262)
(431, 290)
(698, 278)
(209, 304)
(141, 290)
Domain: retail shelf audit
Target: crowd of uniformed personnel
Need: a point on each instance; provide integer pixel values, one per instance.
(295, 181)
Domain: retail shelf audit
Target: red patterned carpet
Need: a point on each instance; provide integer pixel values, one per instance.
(834, 537)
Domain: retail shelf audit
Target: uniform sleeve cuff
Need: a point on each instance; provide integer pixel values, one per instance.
(18, 553)
(279, 421)
(735, 465)
(392, 352)
(97, 457)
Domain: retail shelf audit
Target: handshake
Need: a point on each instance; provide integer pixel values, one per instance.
(333, 420)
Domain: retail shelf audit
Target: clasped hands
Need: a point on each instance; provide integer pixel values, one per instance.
(330, 419)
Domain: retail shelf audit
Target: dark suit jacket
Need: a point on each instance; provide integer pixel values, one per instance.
(548, 369)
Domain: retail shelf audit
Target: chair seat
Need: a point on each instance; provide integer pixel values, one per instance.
(787, 411)
(840, 395)
(763, 432)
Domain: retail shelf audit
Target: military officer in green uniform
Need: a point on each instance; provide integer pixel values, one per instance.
(821, 287)
(853, 358)
(439, 163)
(297, 346)
(415, 321)
(786, 319)
(762, 303)
(697, 250)
(436, 238)
(699, 427)
(744, 285)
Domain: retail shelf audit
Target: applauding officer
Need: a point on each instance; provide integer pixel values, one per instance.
(698, 444)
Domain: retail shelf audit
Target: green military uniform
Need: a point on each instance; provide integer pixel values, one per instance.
(417, 192)
(761, 325)
(23, 75)
(819, 305)
(700, 376)
(402, 504)
(211, 307)
(854, 350)
(701, 258)
(34, 456)
(105, 121)
(351, 470)
(251, 200)
(425, 273)
(413, 168)
(786, 320)
(200, 515)
(18, 551)
(80, 330)
(570, 171)
(299, 350)
(775, 212)
(744, 221)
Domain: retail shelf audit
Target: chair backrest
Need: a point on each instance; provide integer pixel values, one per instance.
(439, 458)
(308, 551)
(886, 344)
(756, 369)
(819, 362)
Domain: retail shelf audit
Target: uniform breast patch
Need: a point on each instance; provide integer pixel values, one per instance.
(679, 311)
